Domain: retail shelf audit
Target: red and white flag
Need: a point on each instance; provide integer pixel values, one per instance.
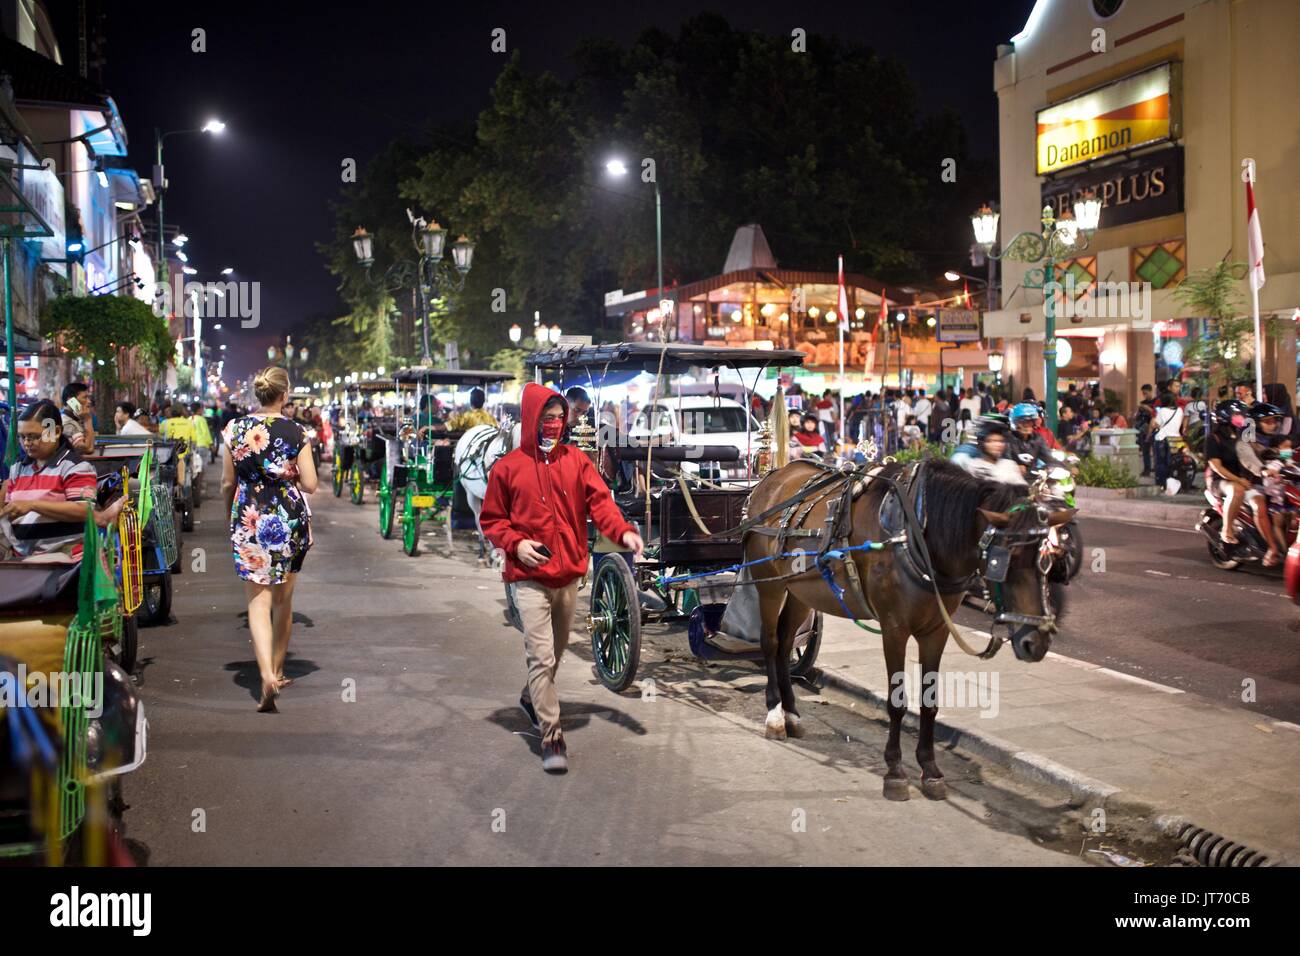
(875, 331)
(1254, 239)
(843, 301)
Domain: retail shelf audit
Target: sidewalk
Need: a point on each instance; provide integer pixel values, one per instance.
(1180, 511)
(1142, 750)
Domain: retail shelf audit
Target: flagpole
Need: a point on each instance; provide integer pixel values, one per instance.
(1254, 252)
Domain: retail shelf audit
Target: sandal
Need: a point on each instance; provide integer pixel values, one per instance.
(282, 682)
(267, 704)
(1272, 559)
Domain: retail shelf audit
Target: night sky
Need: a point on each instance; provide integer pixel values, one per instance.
(302, 86)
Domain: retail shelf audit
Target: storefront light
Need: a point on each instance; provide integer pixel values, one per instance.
(767, 309)
(860, 314)
(814, 311)
(830, 317)
(1064, 352)
(785, 316)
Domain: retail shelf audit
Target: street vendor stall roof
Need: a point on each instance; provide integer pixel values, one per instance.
(675, 358)
(450, 376)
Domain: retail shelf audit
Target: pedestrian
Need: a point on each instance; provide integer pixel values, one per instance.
(124, 417)
(826, 417)
(580, 406)
(538, 500)
(1143, 420)
(202, 434)
(940, 415)
(267, 471)
(78, 418)
(1168, 424)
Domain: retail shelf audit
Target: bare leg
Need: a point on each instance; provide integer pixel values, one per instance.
(1259, 505)
(259, 623)
(1234, 497)
(282, 621)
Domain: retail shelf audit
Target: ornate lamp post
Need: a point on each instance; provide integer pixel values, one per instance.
(1059, 239)
(431, 275)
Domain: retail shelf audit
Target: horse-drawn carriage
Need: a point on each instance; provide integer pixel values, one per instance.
(419, 480)
(71, 721)
(160, 541)
(689, 522)
(361, 440)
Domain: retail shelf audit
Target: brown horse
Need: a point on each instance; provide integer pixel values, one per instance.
(958, 509)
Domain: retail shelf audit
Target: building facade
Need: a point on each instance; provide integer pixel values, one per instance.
(1152, 106)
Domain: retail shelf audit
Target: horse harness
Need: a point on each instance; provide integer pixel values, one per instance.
(902, 516)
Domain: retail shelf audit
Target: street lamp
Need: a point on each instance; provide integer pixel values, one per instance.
(995, 362)
(428, 273)
(213, 126)
(1058, 239)
(516, 333)
(616, 167)
(555, 335)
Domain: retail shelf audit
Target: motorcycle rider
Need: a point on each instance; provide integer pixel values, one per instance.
(1025, 445)
(1229, 477)
(984, 452)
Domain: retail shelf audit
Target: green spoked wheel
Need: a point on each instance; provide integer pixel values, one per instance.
(410, 523)
(385, 507)
(337, 473)
(357, 481)
(615, 623)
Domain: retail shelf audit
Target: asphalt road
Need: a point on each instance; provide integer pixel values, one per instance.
(433, 763)
(1157, 608)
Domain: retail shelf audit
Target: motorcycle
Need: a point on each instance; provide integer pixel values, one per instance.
(1251, 546)
(1053, 489)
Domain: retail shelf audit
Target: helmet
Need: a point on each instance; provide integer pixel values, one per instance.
(987, 425)
(1024, 410)
(1265, 410)
(1226, 411)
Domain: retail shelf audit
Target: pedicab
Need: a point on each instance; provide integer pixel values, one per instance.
(365, 453)
(421, 481)
(71, 721)
(683, 495)
(146, 461)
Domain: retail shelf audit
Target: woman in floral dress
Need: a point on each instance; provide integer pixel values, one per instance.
(267, 473)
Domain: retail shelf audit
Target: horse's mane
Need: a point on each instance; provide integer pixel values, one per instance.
(952, 496)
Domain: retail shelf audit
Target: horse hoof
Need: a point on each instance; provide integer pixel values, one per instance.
(793, 727)
(934, 788)
(774, 731)
(897, 789)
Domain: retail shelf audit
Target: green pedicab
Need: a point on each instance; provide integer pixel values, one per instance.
(359, 457)
(420, 482)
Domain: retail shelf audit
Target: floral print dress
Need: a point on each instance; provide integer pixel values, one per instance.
(270, 521)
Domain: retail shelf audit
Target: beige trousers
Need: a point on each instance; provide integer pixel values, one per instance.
(547, 615)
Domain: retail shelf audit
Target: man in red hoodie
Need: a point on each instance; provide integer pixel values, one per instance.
(538, 499)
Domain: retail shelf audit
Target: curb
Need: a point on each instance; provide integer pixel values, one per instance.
(1032, 767)
(1155, 514)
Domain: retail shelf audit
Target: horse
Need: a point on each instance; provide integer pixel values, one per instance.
(970, 526)
(474, 455)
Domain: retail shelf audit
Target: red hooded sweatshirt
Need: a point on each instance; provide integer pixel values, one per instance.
(547, 497)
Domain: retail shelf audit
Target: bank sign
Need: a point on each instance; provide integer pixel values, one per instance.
(1139, 109)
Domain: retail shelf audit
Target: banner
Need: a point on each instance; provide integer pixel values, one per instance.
(958, 325)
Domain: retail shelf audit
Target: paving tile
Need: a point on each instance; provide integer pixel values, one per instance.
(1109, 725)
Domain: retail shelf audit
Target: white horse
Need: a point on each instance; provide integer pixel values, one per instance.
(477, 451)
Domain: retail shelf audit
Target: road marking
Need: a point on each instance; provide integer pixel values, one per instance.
(1086, 665)
(1163, 574)
(1287, 724)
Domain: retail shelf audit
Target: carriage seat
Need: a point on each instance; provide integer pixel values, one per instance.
(677, 453)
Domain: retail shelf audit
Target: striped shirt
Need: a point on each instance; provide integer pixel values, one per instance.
(64, 477)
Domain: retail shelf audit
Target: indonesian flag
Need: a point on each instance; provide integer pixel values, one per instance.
(843, 301)
(1254, 239)
(871, 345)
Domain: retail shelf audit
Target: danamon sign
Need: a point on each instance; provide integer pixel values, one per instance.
(1137, 110)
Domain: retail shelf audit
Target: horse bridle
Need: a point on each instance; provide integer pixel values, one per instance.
(996, 545)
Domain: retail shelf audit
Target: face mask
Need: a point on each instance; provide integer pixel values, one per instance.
(552, 429)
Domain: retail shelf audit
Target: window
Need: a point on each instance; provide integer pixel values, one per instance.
(1163, 264)
(715, 421)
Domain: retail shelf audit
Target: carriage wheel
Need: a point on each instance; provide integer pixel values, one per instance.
(410, 523)
(358, 483)
(156, 607)
(803, 658)
(385, 507)
(615, 623)
(126, 649)
(187, 514)
(337, 473)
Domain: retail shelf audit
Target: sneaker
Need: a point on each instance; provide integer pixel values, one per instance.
(526, 706)
(555, 756)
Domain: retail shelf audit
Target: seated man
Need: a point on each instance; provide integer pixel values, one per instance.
(476, 414)
(47, 493)
(429, 418)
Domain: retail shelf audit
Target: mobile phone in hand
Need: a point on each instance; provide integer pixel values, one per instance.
(544, 551)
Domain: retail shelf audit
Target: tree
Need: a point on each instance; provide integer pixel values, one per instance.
(1225, 352)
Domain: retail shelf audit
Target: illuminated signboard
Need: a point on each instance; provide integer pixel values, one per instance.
(1139, 109)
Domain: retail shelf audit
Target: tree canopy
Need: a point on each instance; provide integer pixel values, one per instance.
(826, 149)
